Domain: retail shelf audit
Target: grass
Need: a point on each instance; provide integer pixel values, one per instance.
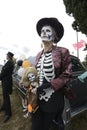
(18, 122)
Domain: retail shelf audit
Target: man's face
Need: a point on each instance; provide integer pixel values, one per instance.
(46, 34)
(31, 77)
(7, 57)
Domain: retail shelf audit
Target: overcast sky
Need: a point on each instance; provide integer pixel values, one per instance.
(18, 20)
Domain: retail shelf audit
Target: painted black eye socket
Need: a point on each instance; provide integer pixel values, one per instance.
(48, 30)
(42, 31)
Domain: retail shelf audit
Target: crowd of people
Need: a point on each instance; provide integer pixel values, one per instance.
(54, 71)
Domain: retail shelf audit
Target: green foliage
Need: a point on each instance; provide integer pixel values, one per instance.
(78, 10)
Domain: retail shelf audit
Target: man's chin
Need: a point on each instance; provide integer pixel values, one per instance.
(46, 41)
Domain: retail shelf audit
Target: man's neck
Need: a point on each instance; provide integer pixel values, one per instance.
(47, 46)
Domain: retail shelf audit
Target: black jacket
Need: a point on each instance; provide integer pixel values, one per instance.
(6, 76)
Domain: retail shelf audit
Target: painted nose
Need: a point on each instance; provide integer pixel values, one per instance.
(44, 32)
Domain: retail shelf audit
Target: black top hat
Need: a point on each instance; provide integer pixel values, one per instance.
(53, 22)
(10, 54)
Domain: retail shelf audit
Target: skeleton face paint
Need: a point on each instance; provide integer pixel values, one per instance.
(31, 77)
(46, 33)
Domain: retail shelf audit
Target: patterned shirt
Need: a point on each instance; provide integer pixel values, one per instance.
(45, 67)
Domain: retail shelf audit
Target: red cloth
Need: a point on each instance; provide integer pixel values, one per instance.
(79, 45)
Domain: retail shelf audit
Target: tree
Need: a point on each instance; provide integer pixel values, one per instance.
(78, 10)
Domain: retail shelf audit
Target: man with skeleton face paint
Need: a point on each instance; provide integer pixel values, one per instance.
(53, 65)
(46, 34)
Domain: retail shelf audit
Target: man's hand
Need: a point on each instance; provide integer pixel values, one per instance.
(41, 88)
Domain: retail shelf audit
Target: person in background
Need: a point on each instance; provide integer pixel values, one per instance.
(53, 64)
(7, 83)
